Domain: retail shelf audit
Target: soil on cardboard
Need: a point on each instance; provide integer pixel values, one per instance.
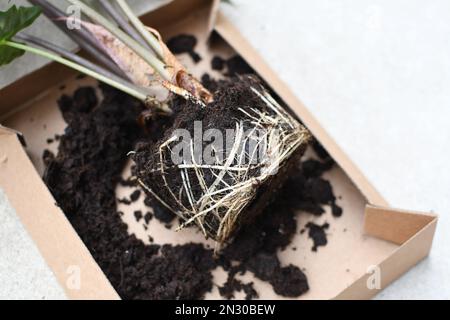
(83, 177)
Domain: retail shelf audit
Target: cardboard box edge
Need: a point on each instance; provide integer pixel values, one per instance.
(393, 267)
(394, 225)
(66, 259)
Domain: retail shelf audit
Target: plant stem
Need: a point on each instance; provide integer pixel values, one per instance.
(120, 86)
(121, 21)
(126, 39)
(151, 40)
(81, 36)
(74, 58)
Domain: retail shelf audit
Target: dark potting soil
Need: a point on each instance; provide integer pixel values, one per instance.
(233, 285)
(237, 66)
(317, 234)
(148, 217)
(128, 182)
(209, 83)
(138, 215)
(184, 43)
(231, 67)
(135, 195)
(124, 201)
(256, 245)
(159, 212)
(47, 157)
(289, 281)
(83, 101)
(218, 63)
(320, 151)
(83, 176)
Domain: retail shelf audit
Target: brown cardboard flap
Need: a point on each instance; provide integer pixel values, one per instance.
(57, 241)
(213, 15)
(405, 257)
(7, 131)
(237, 41)
(18, 93)
(173, 11)
(397, 226)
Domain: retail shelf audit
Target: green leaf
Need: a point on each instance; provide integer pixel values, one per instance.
(13, 21)
(16, 19)
(8, 54)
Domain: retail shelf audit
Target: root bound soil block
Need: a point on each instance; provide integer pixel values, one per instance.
(220, 165)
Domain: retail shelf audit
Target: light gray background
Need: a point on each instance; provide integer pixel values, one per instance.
(377, 76)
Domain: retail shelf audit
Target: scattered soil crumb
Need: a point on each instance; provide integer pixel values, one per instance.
(217, 63)
(233, 285)
(209, 82)
(336, 210)
(317, 234)
(127, 182)
(148, 217)
(237, 66)
(138, 215)
(124, 201)
(184, 43)
(289, 281)
(135, 195)
(48, 157)
(320, 150)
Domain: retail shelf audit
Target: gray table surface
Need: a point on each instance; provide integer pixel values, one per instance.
(375, 73)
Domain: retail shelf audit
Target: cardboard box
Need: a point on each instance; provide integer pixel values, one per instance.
(369, 243)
